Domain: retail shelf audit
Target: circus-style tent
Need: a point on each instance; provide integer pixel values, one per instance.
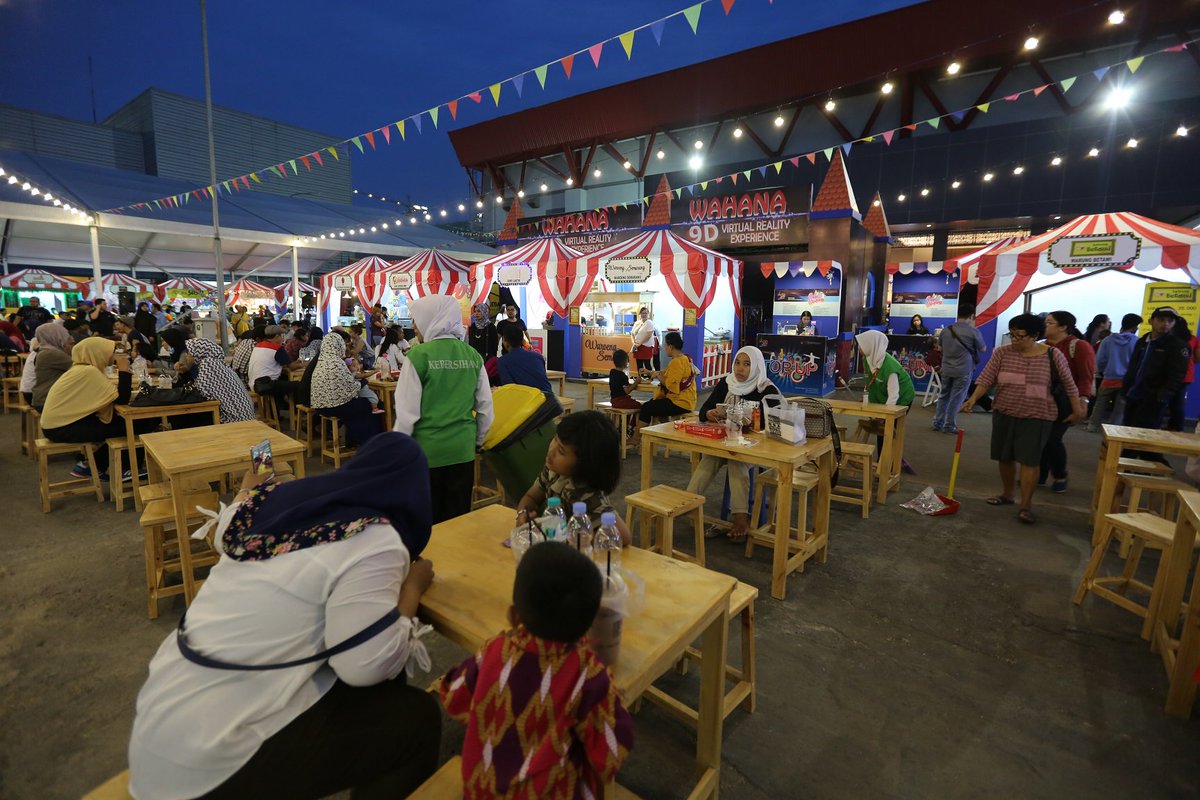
(245, 289)
(37, 279)
(551, 265)
(429, 272)
(181, 287)
(115, 282)
(362, 278)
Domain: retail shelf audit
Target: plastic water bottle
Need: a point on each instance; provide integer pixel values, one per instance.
(555, 527)
(579, 529)
(605, 633)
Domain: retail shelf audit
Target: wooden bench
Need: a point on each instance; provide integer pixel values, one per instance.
(331, 441)
(118, 490)
(302, 421)
(72, 486)
(659, 507)
(12, 394)
(31, 430)
(1144, 467)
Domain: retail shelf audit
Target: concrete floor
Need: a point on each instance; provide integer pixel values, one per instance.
(928, 657)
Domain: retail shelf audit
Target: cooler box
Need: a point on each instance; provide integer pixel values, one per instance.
(516, 444)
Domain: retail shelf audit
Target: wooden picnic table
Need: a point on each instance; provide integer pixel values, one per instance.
(770, 453)
(891, 458)
(187, 453)
(132, 413)
(472, 590)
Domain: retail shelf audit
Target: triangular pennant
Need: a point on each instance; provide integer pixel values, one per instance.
(746, 174)
(934, 121)
(1134, 63)
(333, 152)
(307, 164)
(417, 122)
(245, 182)
(734, 177)
(846, 148)
(594, 51)
(795, 161)
(294, 170)
(1037, 92)
(495, 90)
(226, 185)
(476, 96)
(1012, 98)
(567, 63)
(433, 115)
(1066, 84)
(400, 128)
(887, 136)
(453, 106)
(370, 138)
(912, 127)
(812, 158)
(679, 192)
(540, 72)
(727, 4)
(828, 151)
(627, 43)
(357, 143)
(703, 185)
(984, 107)
(657, 28)
(317, 155)
(869, 139)
(386, 130)
(692, 15)
(518, 83)
(275, 171)
(1100, 73)
(957, 116)
(718, 180)
(762, 171)
(254, 177)
(778, 165)
(282, 170)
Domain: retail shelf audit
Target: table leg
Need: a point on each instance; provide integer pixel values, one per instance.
(783, 526)
(1109, 456)
(591, 394)
(825, 467)
(1182, 694)
(711, 718)
(183, 538)
(886, 457)
(216, 415)
(898, 446)
(131, 439)
(647, 460)
(1175, 583)
(298, 464)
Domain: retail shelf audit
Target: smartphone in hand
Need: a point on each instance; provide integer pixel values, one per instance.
(260, 456)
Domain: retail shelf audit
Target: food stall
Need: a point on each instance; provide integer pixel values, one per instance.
(283, 296)
(347, 291)
(927, 288)
(606, 319)
(251, 294)
(186, 290)
(113, 285)
(428, 272)
(55, 292)
(800, 286)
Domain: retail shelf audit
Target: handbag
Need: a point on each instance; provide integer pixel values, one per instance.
(175, 396)
(1062, 400)
(818, 424)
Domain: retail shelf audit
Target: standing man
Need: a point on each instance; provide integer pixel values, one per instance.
(1156, 371)
(31, 316)
(1112, 361)
(962, 347)
(511, 320)
(101, 320)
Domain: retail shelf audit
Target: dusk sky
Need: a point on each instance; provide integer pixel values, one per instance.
(342, 68)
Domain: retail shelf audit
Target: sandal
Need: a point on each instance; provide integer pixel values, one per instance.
(1026, 516)
(1000, 500)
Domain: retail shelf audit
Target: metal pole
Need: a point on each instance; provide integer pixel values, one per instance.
(222, 335)
(96, 277)
(295, 284)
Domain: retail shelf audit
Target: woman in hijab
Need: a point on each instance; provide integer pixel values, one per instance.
(482, 334)
(216, 380)
(887, 382)
(144, 322)
(748, 384)
(444, 401)
(394, 346)
(242, 352)
(304, 566)
(334, 392)
(53, 359)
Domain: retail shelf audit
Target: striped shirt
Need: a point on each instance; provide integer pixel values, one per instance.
(1023, 383)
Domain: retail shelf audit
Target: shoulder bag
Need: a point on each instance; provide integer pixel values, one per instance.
(974, 353)
(1062, 400)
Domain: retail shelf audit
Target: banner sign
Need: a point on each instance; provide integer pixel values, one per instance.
(628, 269)
(823, 302)
(927, 304)
(1097, 250)
(912, 352)
(1183, 297)
(38, 279)
(343, 283)
(799, 365)
(598, 351)
(398, 281)
(586, 231)
(514, 273)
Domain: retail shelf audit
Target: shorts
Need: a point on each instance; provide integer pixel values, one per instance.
(1020, 440)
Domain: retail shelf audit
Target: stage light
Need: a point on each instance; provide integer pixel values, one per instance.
(901, 198)
(1181, 130)
(1095, 151)
(1132, 142)
(699, 145)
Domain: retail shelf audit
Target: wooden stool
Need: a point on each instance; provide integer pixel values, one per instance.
(302, 419)
(118, 490)
(856, 457)
(73, 486)
(12, 394)
(1181, 656)
(115, 788)
(1143, 467)
(331, 441)
(482, 495)
(31, 429)
(802, 542)
(1145, 530)
(621, 418)
(158, 517)
(568, 405)
(267, 410)
(1164, 490)
(445, 784)
(663, 504)
(745, 683)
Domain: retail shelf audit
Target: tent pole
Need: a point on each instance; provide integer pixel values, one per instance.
(95, 238)
(295, 284)
(222, 333)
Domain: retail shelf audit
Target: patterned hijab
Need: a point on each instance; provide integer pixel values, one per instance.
(332, 383)
(286, 517)
(218, 381)
(479, 318)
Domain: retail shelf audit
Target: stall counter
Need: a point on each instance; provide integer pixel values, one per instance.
(800, 365)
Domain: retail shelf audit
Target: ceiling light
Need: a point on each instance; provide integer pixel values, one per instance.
(520, 192)
(1116, 17)
(383, 225)
(779, 122)
(698, 144)
(49, 198)
(370, 195)
(341, 234)
(322, 236)
(737, 133)
(499, 200)
(1181, 130)
(876, 204)
(1132, 142)
(374, 229)
(1057, 216)
(382, 198)
(34, 191)
(479, 204)
(12, 179)
(830, 105)
(1095, 151)
(887, 87)
(956, 184)
(928, 224)
(442, 212)
(397, 222)
(596, 173)
(924, 193)
(57, 202)
(570, 181)
(901, 198)
(626, 164)
(25, 186)
(988, 176)
(1017, 170)
(428, 218)
(462, 207)
(362, 230)
(660, 155)
(413, 220)
(1031, 43)
(356, 191)
(1054, 162)
(2, 172)
(953, 68)
(544, 188)
(1118, 98)
(695, 162)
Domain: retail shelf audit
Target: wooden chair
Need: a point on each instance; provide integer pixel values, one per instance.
(12, 394)
(857, 458)
(302, 418)
(744, 691)
(801, 540)
(159, 536)
(660, 506)
(1145, 530)
(568, 405)
(72, 486)
(118, 490)
(622, 418)
(115, 788)
(481, 494)
(266, 409)
(331, 441)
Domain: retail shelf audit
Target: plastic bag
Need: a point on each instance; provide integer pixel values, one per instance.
(927, 502)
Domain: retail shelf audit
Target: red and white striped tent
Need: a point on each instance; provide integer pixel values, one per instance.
(40, 279)
(362, 277)
(1152, 244)
(283, 292)
(245, 289)
(550, 261)
(794, 268)
(692, 272)
(432, 272)
(115, 282)
(181, 287)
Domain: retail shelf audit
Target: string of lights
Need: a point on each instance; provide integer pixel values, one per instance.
(46, 197)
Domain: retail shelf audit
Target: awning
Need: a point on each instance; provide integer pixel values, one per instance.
(362, 278)
(39, 279)
(246, 289)
(429, 272)
(181, 287)
(548, 260)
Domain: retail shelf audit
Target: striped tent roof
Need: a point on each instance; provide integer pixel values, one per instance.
(189, 287)
(284, 290)
(361, 277)
(431, 271)
(40, 279)
(246, 289)
(548, 260)
(114, 282)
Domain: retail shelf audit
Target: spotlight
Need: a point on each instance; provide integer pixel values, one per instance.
(695, 162)
(1017, 170)
(953, 68)
(737, 133)
(520, 192)
(1054, 162)
(1181, 130)
(544, 188)
(1132, 142)
(830, 105)
(924, 193)
(570, 181)
(699, 145)
(1031, 43)
(901, 198)
(596, 173)
(956, 184)
(626, 164)
(660, 155)
(887, 87)
(1118, 98)
(988, 176)
(1095, 151)
(1116, 17)
(778, 122)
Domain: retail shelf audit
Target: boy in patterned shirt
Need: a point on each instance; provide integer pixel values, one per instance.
(543, 717)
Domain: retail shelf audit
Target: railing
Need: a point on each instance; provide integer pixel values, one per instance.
(717, 360)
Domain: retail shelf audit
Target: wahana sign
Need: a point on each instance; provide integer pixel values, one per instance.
(736, 206)
(582, 222)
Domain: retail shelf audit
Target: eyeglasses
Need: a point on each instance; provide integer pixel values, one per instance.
(1018, 337)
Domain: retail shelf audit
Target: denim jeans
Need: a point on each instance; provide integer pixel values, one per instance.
(954, 392)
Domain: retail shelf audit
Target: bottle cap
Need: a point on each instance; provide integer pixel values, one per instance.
(554, 502)
(608, 518)
(579, 508)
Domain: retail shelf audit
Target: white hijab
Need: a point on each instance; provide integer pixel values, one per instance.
(873, 346)
(437, 317)
(757, 380)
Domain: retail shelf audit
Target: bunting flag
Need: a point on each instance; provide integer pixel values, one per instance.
(1134, 63)
(1038, 91)
(476, 96)
(417, 122)
(594, 51)
(727, 5)
(656, 28)
(692, 15)
(254, 177)
(984, 107)
(433, 115)
(370, 139)
(1100, 73)
(1066, 84)
(627, 44)
(778, 165)
(518, 83)
(333, 152)
(933, 123)
(297, 172)
(887, 136)
(812, 158)
(540, 72)
(317, 155)
(400, 129)
(846, 148)
(453, 106)
(358, 143)
(828, 151)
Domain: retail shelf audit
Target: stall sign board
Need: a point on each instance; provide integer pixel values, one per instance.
(1183, 297)
(598, 351)
(35, 279)
(514, 273)
(1096, 250)
(399, 281)
(799, 365)
(628, 269)
(343, 283)
(926, 304)
(573, 315)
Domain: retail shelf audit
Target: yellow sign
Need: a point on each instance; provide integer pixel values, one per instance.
(1180, 296)
(1093, 247)
(573, 315)
(598, 351)
(689, 316)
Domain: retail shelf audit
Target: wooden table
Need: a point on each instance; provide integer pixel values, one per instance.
(786, 458)
(602, 383)
(561, 377)
(131, 413)
(386, 389)
(892, 456)
(1118, 437)
(191, 452)
(472, 590)
(1180, 649)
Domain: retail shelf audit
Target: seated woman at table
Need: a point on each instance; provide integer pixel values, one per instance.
(305, 566)
(393, 347)
(583, 464)
(311, 350)
(335, 392)
(916, 326)
(888, 383)
(361, 360)
(216, 380)
(676, 392)
(748, 384)
(79, 406)
(620, 388)
(53, 360)
(242, 352)
(807, 327)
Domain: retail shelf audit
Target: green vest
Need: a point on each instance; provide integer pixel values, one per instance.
(449, 373)
(877, 392)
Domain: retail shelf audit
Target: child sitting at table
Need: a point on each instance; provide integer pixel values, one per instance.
(543, 716)
(583, 465)
(619, 385)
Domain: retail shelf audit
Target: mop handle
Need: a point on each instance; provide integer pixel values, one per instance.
(954, 465)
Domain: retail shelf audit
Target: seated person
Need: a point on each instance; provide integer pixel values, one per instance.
(888, 383)
(266, 367)
(216, 380)
(748, 383)
(242, 352)
(620, 388)
(567, 740)
(126, 329)
(53, 360)
(916, 326)
(519, 365)
(334, 391)
(676, 387)
(807, 327)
